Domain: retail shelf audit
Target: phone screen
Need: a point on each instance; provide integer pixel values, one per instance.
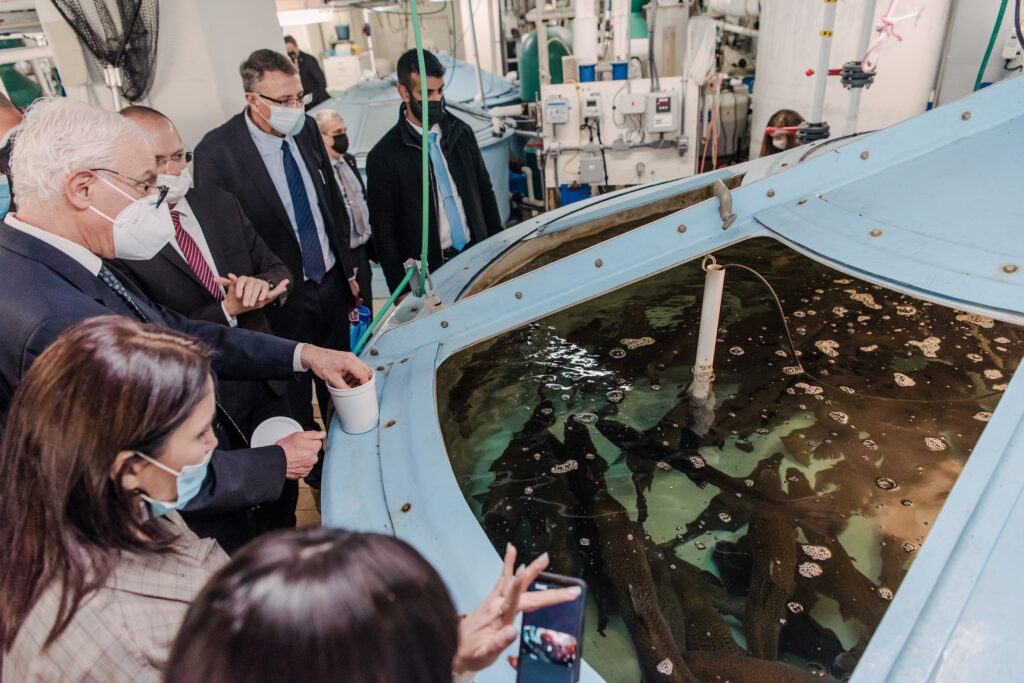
(550, 644)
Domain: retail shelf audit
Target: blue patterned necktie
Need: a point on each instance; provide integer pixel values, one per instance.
(309, 241)
(115, 285)
(444, 185)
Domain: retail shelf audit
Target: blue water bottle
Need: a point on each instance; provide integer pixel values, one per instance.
(358, 322)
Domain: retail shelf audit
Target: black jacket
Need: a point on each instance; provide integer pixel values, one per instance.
(227, 158)
(393, 176)
(313, 80)
(236, 248)
(49, 292)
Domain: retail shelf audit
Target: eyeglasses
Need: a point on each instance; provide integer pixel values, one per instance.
(299, 101)
(141, 185)
(177, 158)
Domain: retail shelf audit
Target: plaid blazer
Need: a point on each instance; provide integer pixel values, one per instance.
(123, 631)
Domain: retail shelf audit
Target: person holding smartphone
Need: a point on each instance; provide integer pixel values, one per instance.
(331, 605)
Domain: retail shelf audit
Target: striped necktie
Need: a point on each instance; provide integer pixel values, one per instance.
(309, 240)
(194, 258)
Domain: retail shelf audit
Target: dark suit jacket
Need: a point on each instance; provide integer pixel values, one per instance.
(236, 248)
(227, 158)
(393, 176)
(48, 291)
(313, 80)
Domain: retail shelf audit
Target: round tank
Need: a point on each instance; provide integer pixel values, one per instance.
(559, 45)
(788, 47)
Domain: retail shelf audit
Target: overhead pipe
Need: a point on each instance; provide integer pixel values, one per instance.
(479, 99)
(620, 24)
(821, 73)
(584, 30)
(863, 40)
(542, 47)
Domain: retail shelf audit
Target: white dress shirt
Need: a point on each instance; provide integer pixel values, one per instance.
(444, 230)
(190, 225)
(92, 263)
(269, 147)
(341, 167)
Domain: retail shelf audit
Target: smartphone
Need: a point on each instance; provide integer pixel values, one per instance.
(551, 639)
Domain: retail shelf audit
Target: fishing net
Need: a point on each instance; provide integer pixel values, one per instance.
(128, 44)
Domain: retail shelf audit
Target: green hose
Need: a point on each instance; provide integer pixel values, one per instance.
(424, 189)
(380, 316)
(424, 156)
(991, 42)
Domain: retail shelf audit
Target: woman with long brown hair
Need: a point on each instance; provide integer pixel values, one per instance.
(107, 435)
(780, 133)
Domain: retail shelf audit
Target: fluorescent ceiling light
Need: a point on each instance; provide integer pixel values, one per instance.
(301, 17)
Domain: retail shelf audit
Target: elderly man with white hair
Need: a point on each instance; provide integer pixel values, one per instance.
(346, 173)
(87, 192)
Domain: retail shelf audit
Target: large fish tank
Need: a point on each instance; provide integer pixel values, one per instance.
(843, 506)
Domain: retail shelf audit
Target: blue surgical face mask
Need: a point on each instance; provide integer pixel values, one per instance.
(5, 195)
(189, 479)
(286, 120)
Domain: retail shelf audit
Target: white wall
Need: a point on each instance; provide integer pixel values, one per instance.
(972, 27)
(200, 46)
(788, 46)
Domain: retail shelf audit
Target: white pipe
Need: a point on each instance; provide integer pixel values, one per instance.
(821, 73)
(736, 8)
(542, 46)
(703, 368)
(476, 54)
(620, 23)
(584, 31)
(863, 40)
(740, 30)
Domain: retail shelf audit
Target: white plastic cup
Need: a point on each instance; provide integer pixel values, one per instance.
(357, 407)
(272, 430)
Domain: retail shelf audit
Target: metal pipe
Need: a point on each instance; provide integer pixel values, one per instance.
(479, 99)
(620, 26)
(867, 25)
(542, 46)
(944, 55)
(711, 308)
(821, 73)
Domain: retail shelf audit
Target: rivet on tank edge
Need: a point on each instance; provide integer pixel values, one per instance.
(519, 295)
(864, 154)
(407, 507)
(875, 233)
(598, 263)
(801, 202)
(1011, 268)
(966, 116)
(681, 229)
(770, 193)
(444, 323)
(380, 368)
(374, 352)
(389, 424)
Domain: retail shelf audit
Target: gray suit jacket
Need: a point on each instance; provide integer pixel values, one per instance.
(124, 631)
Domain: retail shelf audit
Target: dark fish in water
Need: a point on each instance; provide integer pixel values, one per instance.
(715, 667)
(633, 585)
(773, 549)
(732, 559)
(706, 630)
(840, 580)
(806, 638)
(815, 511)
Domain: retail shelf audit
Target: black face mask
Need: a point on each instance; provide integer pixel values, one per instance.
(340, 143)
(434, 108)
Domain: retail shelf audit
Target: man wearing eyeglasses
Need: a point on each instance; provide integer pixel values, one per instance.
(87, 191)
(216, 269)
(272, 159)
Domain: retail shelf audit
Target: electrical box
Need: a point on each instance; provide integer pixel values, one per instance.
(592, 105)
(633, 103)
(592, 170)
(662, 114)
(556, 110)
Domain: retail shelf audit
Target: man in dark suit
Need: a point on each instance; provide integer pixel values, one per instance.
(350, 182)
(312, 76)
(86, 184)
(463, 210)
(216, 269)
(271, 158)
